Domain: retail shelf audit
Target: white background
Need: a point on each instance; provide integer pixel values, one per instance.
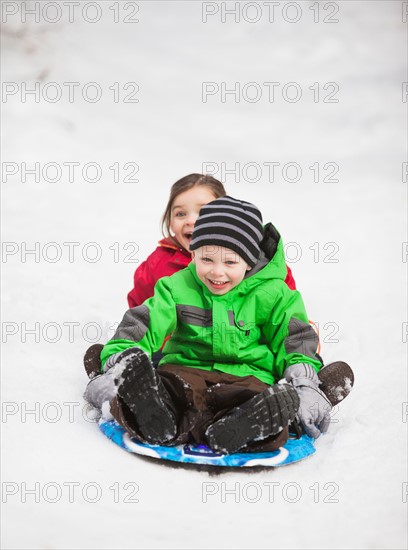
(359, 301)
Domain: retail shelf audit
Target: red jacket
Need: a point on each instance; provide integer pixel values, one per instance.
(164, 261)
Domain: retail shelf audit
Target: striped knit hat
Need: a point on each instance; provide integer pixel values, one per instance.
(231, 223)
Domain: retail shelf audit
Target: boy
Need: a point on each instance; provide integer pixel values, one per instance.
(236, 329)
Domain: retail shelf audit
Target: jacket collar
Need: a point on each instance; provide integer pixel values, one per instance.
(171, 244)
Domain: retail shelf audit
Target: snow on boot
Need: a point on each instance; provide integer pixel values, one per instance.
(263, 415)
(336, 381)
(141, 389)
(92, 360)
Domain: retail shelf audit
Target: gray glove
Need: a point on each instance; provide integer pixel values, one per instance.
(314, 409)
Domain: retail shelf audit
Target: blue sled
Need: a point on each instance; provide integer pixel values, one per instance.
(293, 451)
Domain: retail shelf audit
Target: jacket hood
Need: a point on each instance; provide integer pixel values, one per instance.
(265, 269)
(271, 255)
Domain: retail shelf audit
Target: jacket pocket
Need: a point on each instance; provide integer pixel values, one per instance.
(192, 315)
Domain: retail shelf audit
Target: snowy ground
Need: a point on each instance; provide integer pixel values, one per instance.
(86, 492)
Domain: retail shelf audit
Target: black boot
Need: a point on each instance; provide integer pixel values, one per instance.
(336, 381)
(143, 392)
(263, 415)
(92, 360)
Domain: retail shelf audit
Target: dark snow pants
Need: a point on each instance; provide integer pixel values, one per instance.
(199, 398)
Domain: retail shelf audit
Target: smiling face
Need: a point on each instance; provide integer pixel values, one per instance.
(185, 210)
(219, 268)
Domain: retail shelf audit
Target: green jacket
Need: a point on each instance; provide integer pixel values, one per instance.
(258, 328)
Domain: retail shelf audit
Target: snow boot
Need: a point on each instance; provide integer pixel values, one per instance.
(142, 390)
(92, 360)
(336, 381)
(263, 415)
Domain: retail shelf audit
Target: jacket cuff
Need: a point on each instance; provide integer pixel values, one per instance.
(121, 357)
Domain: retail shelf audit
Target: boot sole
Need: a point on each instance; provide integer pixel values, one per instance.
(264, 415)
(92, 361)
(138, 386)
(336, 381)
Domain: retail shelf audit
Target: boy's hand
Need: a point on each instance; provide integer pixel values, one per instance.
(314, 409)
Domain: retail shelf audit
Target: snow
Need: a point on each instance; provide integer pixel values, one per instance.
(88, 493)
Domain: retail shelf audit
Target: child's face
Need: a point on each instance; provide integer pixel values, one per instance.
(185, 210)
(219, 268)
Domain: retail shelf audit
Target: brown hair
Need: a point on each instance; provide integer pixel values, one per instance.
(184, 184)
